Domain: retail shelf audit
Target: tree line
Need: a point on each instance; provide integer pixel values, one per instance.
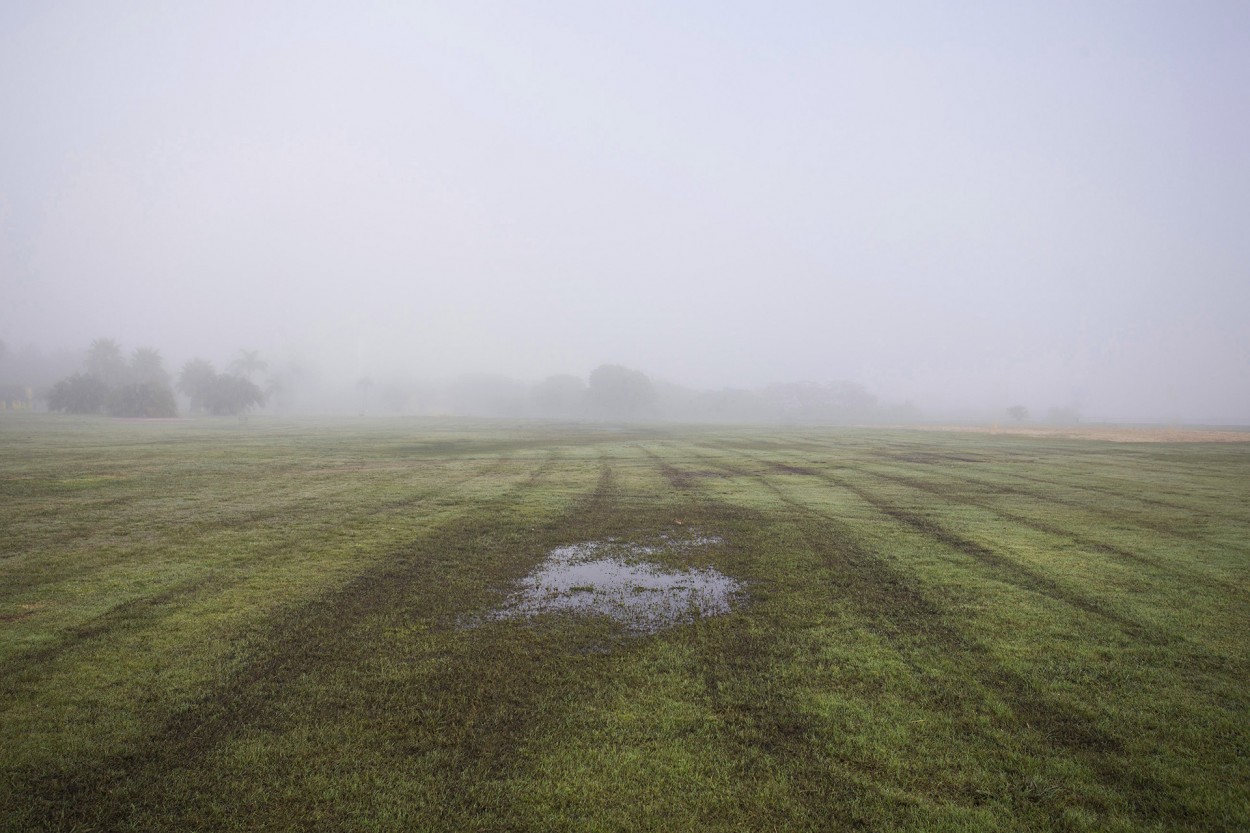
(140, 386)
(615, 392)
(107, 380)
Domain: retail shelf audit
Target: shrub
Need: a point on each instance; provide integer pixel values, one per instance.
(145, 399)
(78, 394)
(231, 395)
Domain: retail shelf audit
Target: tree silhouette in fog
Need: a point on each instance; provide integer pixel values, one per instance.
(105, 362)
(195, 379)
(230, 394)
(620, 392)
(247, 363)
(78, 394)
(562, 396)
(147, 366)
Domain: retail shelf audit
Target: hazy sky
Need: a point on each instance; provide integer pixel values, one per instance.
(957, 203)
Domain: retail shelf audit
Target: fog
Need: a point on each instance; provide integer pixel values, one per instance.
(949, 208)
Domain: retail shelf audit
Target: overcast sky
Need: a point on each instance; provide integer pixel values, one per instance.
(964, 204)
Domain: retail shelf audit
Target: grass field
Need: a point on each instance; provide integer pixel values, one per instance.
(214, 625)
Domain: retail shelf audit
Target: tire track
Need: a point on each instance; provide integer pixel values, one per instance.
(946, 496)
(894, 607)
(1004, 568)
(299, 641)
(132, 612)
(781, 733)
(1089, 544)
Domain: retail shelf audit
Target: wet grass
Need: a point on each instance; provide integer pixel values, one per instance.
(212, 625)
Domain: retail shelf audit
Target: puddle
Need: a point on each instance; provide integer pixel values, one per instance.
(612, 578)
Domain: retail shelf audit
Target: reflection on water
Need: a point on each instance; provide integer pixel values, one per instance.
(611, 578)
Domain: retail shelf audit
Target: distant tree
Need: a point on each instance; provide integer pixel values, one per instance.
(619, 392)
(105, 362)
(141, 399)
(147, 367)
(561, 396)
(800, 401)
(4, 348)
(196, 380)
(229, 394)
(247, 363)
(78, 394)
(849, 400)
(1018, 412)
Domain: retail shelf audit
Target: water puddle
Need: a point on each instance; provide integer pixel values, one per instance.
(613, 578)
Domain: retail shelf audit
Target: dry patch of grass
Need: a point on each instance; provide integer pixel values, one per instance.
(1106, 433)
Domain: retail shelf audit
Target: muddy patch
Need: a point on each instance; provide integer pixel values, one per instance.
(614, 578)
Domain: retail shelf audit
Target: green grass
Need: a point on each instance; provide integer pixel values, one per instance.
(214, 625)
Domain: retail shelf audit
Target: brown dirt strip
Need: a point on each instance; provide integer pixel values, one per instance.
(1105, 433)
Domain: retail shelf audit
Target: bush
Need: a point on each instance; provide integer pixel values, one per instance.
(618, 392)
(145, 399)
(231, 395)
(78, 394)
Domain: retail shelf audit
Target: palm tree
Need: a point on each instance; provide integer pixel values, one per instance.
(247, 363)
(146, 367)
(196, 380)
(104, 362)
(232, 395)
